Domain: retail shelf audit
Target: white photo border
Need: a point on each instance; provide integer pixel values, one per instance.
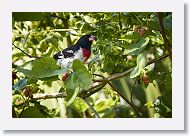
(174, 123)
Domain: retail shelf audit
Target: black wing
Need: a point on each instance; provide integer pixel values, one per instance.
(67, 53)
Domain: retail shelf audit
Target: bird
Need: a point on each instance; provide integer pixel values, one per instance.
(81, 51)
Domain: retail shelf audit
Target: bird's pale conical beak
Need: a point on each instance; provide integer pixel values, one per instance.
(92, 38)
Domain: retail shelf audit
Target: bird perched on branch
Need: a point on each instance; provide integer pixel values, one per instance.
(81, 51)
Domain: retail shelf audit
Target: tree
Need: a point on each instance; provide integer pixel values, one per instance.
(128, 75)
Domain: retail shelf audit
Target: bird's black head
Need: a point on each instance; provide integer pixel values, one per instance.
(86, 41)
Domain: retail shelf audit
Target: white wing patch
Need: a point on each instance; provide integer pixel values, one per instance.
(66, 62)
(60, 57)
(70, 51)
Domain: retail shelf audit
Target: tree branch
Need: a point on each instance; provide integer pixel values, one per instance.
(163, 33)
(120, 23)
(96, 86)
(48, 96)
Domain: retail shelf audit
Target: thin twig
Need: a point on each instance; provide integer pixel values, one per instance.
(138, 19)
(158, 59)
(25, 52)
(91, 107)
(90, 92)
(139, 114)
(97, 80)
(98, 75)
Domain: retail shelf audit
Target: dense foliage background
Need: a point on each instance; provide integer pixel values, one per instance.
(128, 75)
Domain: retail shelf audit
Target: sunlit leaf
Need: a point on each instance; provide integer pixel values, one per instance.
(141, 63)
(79, 105)
(103, 104)
(136, 48)
(132, 37)
(58, 36)
(149, 104)
(89, 19)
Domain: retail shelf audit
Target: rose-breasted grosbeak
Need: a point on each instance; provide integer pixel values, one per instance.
(81, 51)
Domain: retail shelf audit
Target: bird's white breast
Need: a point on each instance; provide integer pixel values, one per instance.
(66, 62)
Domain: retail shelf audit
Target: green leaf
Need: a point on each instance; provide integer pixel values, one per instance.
(80, 76)
(141, 63)
(49, 103)
(52, 39)
(166, 100)
(50, 79)
(163, 105)
(24, 71)
(132, 37)
(46, 67)
(149, 104)
(58, 36)
(20, 84)
(154, 25)
(43, 68)
(74, 95)
(108, 113)
(79, 105)
(89, 19)
(168, 22)
(123, 111)
(136, 48)
(32, 112)
(103, 104)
